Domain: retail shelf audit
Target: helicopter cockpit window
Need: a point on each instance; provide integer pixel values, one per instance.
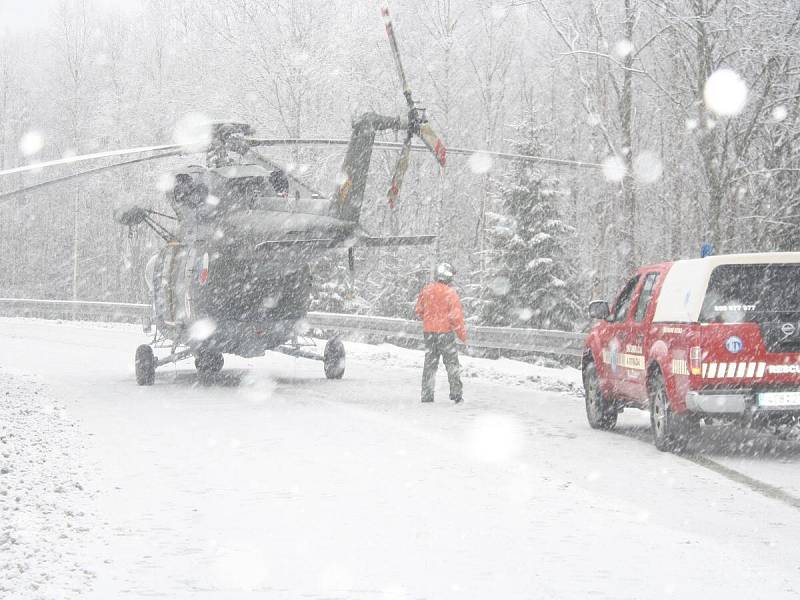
(188, 192)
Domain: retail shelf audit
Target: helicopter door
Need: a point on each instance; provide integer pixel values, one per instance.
(189, 269)
(170, 294)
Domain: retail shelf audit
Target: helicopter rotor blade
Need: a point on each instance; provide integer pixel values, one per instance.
(399, 173)
(84, 157)
(433, 142)
(29, 188)
(418, 123)
(396, 55)
(420, 148)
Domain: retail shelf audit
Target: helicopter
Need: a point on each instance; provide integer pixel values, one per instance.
(234, 276)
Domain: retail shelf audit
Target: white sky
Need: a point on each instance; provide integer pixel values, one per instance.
(21, 15)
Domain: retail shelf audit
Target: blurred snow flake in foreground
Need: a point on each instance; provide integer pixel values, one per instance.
(241, 569)
(394, 592)
(480, 163)
(31, 143)
(193, 132)
(520, 489)
(500, 286)
(301, 327)
(257, 387)
(495, 438)
(525, 313)
(335, 578)
(165, 182)
(498, 12)
(622, 48)
(647, 167)
(779, 113)
(340, 178)
(614, 168)
(725, 93)
(202, 329)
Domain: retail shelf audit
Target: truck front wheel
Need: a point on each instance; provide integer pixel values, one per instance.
(671, 431)
(600, 413)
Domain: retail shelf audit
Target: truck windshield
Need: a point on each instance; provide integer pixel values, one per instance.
(754, 292)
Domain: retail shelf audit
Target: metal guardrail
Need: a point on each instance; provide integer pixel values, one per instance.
(562, 343)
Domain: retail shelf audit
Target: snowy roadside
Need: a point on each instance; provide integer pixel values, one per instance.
(44, 523)
(503, 370)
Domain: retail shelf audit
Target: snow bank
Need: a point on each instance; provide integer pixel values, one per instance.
(43, 526)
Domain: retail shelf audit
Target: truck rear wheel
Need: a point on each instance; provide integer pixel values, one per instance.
(671, 431)
(600, 413)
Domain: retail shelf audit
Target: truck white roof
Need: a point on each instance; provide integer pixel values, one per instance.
(685, 284)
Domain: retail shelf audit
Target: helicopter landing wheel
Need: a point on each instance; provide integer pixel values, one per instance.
(208, 363)
(333, 358)
(145, 365)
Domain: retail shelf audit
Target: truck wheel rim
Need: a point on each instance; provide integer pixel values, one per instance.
(659, 415)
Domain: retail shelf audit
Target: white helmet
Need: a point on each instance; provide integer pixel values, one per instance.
(444, 272)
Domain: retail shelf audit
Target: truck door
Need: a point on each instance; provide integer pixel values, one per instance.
(632, 382)
(614, 336)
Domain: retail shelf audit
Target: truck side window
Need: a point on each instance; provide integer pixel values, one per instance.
(645, 296)
(623, 302)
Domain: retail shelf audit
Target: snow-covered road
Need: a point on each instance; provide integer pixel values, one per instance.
(275, 482)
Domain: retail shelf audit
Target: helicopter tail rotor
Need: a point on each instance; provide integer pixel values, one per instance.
(417, 120)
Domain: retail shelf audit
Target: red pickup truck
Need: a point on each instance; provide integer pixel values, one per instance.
(693, 340)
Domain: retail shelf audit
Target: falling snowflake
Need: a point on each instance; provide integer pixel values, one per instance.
(779, 113)
(165, 182)
(31, 143)
(622, 48)
(647, 167)
(495, 438)
(243, 569)
(480, 163)
(202, 329)
(498, 12)
(341, 178)
(614, 168)
(525, 313)
(257, 387)
(725, 93)
(500, 286)
(193, 132)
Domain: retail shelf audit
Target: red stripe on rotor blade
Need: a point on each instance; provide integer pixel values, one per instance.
(441, 152)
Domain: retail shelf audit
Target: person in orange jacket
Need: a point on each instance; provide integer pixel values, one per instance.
(439, 308)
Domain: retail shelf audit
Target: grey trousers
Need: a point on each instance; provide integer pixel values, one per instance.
(444, 345)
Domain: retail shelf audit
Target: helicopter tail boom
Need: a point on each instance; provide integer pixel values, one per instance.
(353, 175)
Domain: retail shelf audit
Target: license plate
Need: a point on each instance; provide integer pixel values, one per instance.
(779, 399)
